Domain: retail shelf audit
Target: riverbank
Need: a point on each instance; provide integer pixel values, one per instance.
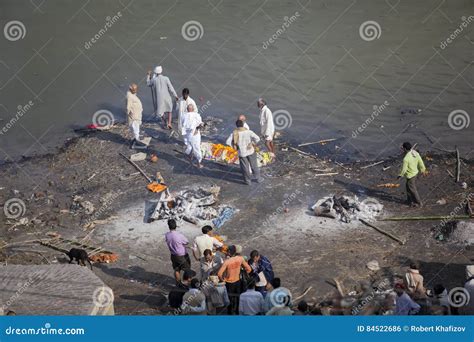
(273, 217)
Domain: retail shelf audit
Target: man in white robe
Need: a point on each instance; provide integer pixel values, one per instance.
(162, 92)
(134, 113)
(183, 104)
(267, 125)
(191, 124)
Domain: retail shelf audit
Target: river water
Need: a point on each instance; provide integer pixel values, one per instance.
(360, 71)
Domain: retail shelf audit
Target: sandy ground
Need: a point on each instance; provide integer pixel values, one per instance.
(273, 217)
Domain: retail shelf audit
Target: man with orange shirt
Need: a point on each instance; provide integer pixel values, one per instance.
(230, 273)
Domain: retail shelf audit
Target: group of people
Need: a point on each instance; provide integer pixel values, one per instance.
(233, 284)
(190, 123)
(228, 282)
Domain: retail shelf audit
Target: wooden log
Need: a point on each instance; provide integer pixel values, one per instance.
(390, 235)
(317, 142)
(458, 165)
(374, 164)
(302, 152)
(326, 174)
(137, 167)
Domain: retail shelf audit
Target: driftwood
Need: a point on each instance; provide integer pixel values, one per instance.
(458, 165)
(303, 294)
(390, 235)
(137, 167)
(302, 152)
(449, 173)
(374, 164)
(317, 142)
(326, 174)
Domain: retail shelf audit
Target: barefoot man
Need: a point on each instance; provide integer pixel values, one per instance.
(134, 113)
(161, 92)
(412, 163)
(267, 126)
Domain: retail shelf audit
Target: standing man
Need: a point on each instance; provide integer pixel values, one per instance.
(244, 120)
(192, 123)
(183, 104)
(251, 301)
(210, 264)
(412, 163)
(177, 244)
(134, 113)
(205, 241)
(230, 273)
(161, 92)
(243, 140)
(261, 264)
(266, 124)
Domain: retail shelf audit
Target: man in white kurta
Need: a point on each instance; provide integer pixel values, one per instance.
(191, 124)
(162, 92)
(183, 104)
(267, 125)
(134, 112)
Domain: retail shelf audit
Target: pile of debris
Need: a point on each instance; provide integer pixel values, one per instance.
(197, 206)
(346, 209)
(458, 232)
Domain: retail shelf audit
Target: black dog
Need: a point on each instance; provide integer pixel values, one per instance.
(80, 255)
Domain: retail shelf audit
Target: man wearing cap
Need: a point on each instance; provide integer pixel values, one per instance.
(161, 92)
(177, 244)
(412, 163)
(230, 273)
(134, 113)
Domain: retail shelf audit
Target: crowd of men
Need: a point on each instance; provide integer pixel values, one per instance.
(190, 123)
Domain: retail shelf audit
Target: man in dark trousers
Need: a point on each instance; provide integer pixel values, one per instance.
(412, 164)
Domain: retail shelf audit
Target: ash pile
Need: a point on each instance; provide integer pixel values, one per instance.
(347, 209)
(198, 206)
(456, 232)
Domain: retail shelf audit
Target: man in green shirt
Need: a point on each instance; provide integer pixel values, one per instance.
(412, 164)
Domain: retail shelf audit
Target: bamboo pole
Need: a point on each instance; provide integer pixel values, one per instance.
(137, 167)
(374, 164)
(458, 165)
(426, 218)
(317, 142)
(390, 235)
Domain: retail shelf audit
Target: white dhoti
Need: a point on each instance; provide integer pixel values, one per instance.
(194, 146)
(134, 126)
